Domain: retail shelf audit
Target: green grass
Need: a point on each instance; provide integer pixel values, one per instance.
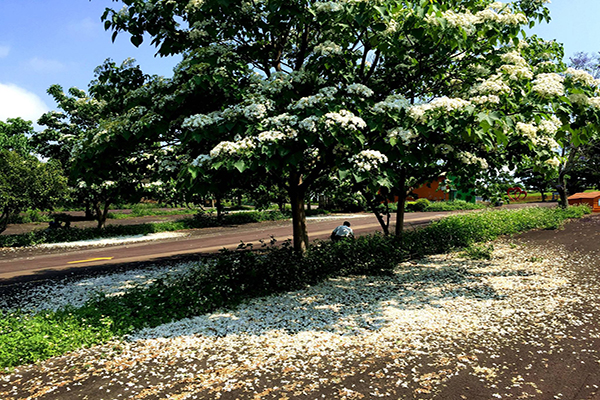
(140, 210)
(234, 277)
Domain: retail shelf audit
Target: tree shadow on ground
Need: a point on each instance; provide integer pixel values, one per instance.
(351, 305)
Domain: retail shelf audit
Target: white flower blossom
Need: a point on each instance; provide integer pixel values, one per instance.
(327, 6)
(547, 142)
(493, 85)
(469, 158)
(344, 119)
(327, 48)
(309, 124)
(550, 126)
(595, 102)
(528, 130)
(443, 103)
(516, 67)
(500, 13)
(200, 121)
(359, 90)
(282, 121)
(581, 77)
(324, 95)
(232, 148)
(496, 12)
(457, 20)
(489, 99)
(271, 136)
(548, 85)
(368, 160)
(277, 83)
(553, 162)
(201, 160)
(391, 104)
(255, 111)
(400, 134)
(194, 5)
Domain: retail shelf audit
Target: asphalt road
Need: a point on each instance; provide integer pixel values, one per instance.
(29, 262)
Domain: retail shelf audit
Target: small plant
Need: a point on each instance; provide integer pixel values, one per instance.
(479, 252)
(535, 259)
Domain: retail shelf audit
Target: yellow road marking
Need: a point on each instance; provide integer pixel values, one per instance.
(91, 259)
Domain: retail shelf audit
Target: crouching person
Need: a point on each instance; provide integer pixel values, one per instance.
(342, 231)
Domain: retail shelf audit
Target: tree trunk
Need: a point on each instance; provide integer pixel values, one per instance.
(561, 188)
(385, 225)
(101, 213)
(88, 211)
(4, 219)
(401, 204)
(219, 206)
(299, 232)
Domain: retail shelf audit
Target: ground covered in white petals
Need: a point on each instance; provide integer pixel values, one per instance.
(487, 324)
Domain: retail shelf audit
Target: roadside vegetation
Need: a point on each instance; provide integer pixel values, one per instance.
(196, 219)
(234, 277)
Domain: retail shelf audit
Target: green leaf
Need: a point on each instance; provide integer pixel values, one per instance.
(343, 174)
(136, 40)
(240, 165)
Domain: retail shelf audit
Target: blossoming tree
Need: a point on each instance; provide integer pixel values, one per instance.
(327, 77)
(103, 168)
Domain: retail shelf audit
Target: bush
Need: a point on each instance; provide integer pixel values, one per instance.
(28, 217)
(418, 206)
(453, 205)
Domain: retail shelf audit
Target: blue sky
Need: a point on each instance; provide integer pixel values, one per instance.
(43, 42)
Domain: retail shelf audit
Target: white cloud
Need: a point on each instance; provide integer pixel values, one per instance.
(85, 27)
(4, 50)
(18, 102)
(42, 65)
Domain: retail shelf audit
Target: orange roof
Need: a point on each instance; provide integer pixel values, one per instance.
(589, 195)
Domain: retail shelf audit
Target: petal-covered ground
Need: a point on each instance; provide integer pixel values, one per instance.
(521, 325)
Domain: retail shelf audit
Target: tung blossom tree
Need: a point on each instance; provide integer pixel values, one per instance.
(378, 90)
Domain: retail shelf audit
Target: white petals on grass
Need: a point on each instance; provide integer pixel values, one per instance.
(438, 292)
(115, 240)
(76, 291)
(409, 332)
